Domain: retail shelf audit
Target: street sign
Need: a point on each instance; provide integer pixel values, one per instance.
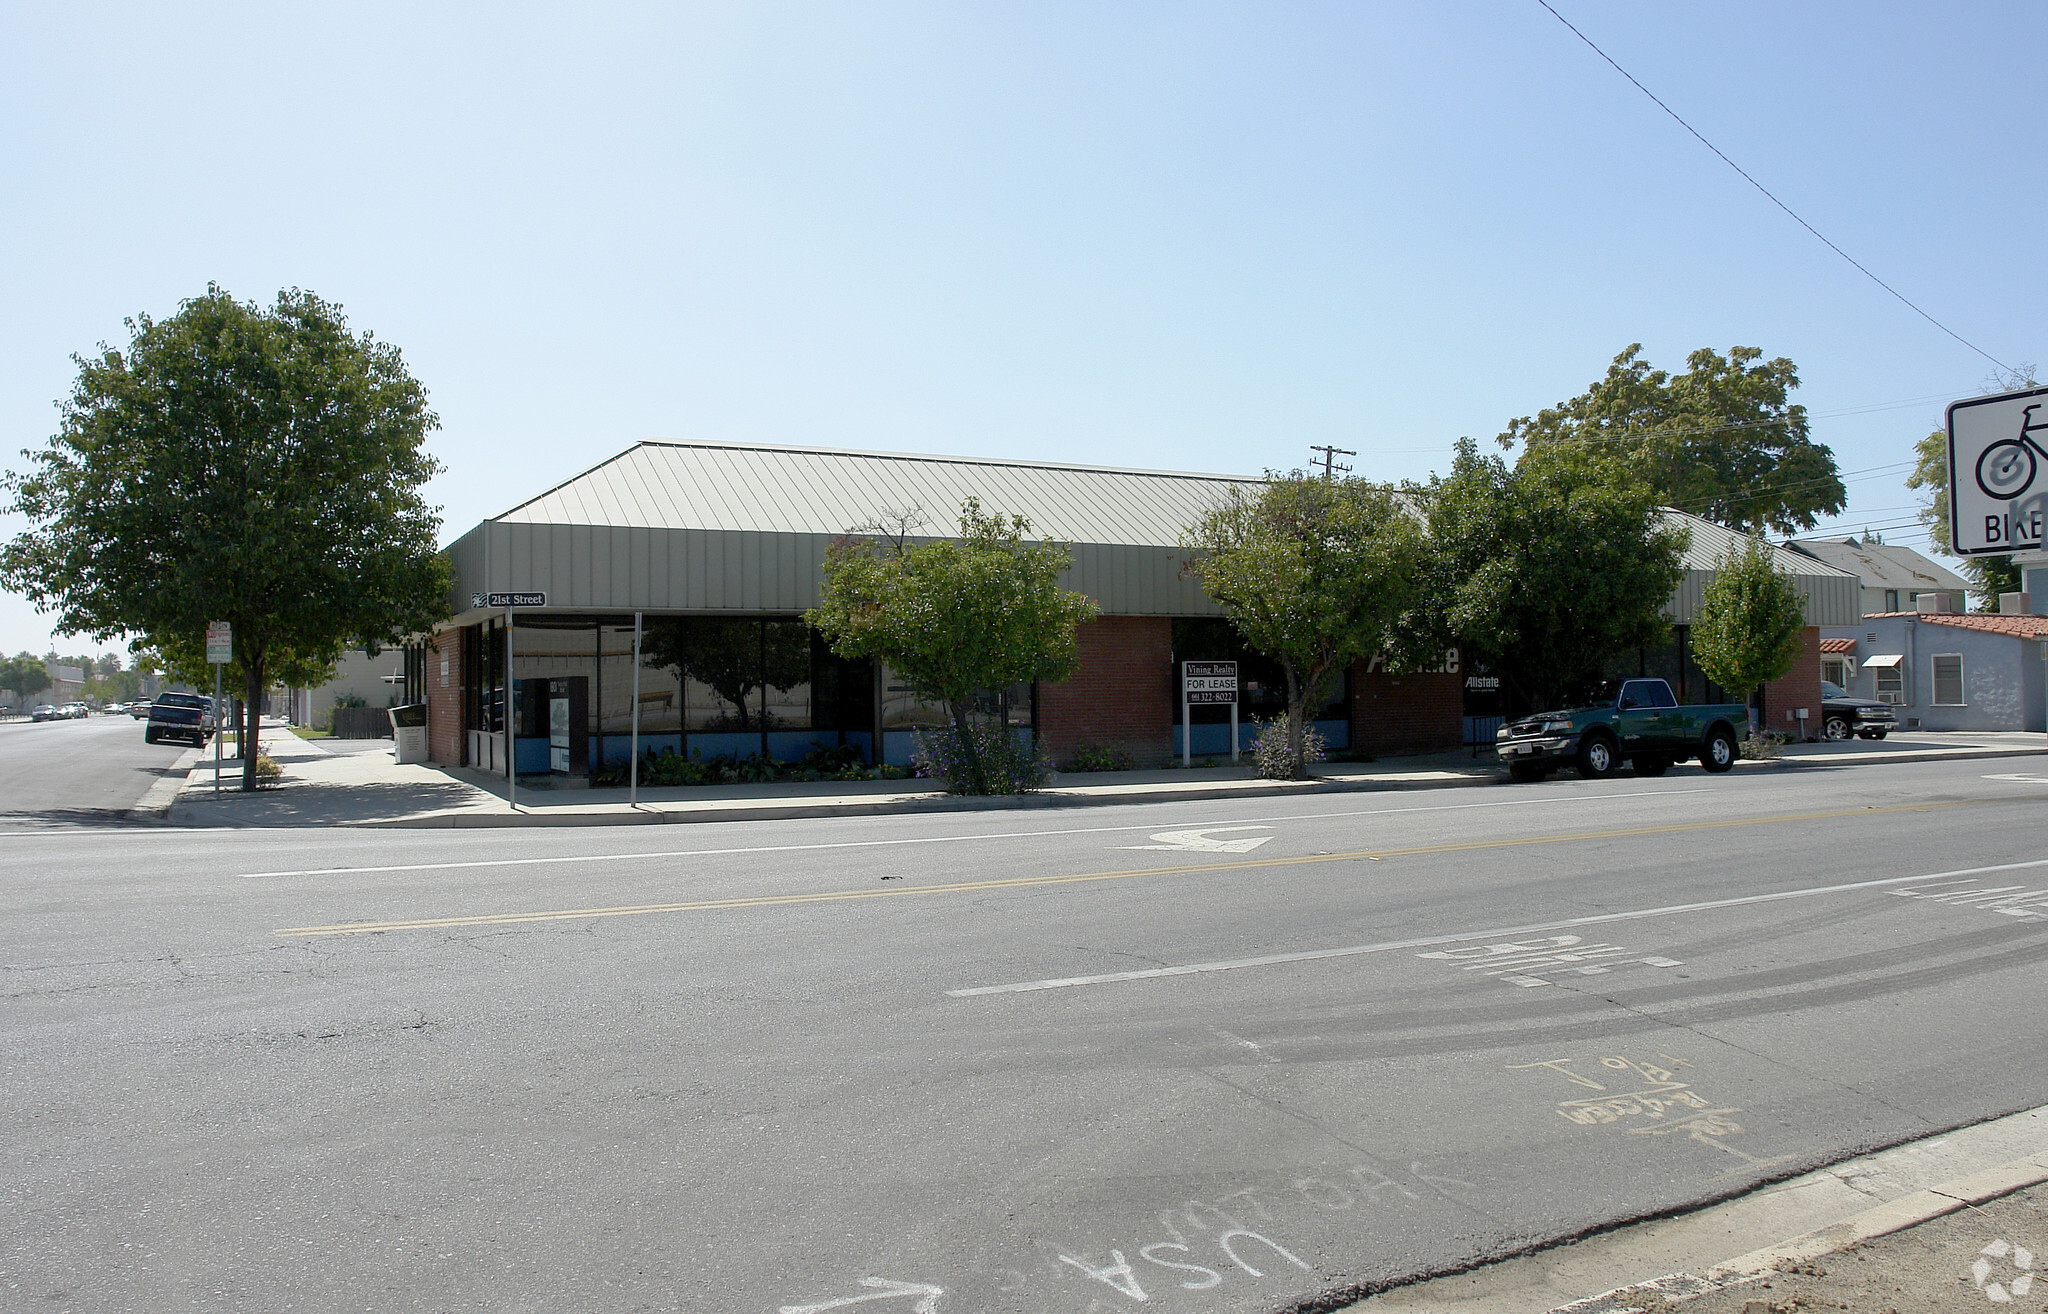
(1998, 472)
(1208, 682)
(502, 600)
(220, 643)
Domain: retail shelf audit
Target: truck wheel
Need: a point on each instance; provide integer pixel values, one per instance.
(1652, 766)
(149, 734)
(1527, 772)
(1596, 757)
(1837, 728)
(1718, 753)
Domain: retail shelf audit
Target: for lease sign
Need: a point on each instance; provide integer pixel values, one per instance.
(1208, 682)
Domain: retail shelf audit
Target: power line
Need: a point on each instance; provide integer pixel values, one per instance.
(1767, 193)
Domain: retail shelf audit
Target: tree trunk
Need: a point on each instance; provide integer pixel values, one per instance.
(252, 718)
(1763, 719)
(1296, 712)
(977, 777)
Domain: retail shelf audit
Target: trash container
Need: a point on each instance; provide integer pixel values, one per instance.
(409, 732)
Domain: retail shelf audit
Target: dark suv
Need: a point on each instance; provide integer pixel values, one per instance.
(1847, 715)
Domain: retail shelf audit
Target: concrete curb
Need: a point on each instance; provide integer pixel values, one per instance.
(164, 794)
(1882, 1220)
(655, 815)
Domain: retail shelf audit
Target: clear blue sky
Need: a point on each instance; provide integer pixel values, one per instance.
(1176, 235)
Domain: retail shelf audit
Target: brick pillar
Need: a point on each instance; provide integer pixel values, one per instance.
(1392, 714)
(1119, 696)
(1797, 688)
(446, 742)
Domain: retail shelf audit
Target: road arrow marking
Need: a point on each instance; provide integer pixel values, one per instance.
(889, 1289)
(1198, 841)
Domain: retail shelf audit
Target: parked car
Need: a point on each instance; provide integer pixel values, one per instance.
(1636, 720)
(75, 711)
(179, 716)
(1847, 715)
(45, 712)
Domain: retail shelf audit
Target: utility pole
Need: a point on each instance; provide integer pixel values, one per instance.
(1330, 454)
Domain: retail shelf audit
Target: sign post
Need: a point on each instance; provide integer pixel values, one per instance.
(1203, 683)
(633, 771)
(1998, 472)
(511, 708)
(220, 650)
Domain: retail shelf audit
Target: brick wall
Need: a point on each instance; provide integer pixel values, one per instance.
(445, 739)
(1121, 694)
(1797, 688)
(1393, 714)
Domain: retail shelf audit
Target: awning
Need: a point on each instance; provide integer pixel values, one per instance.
(1891, 659)
(1837, 645)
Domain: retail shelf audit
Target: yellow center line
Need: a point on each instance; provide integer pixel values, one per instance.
(1028, 882)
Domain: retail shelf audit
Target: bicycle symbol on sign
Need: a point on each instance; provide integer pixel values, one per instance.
(2007, 467)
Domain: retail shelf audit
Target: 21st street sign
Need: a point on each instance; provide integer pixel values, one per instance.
(1998, 472)
(500, 601)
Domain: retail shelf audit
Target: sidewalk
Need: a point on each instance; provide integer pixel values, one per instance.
(356, 783)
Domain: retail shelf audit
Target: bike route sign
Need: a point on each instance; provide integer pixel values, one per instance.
(1998, 472)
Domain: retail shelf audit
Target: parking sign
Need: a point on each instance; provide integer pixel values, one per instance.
(1998, 472)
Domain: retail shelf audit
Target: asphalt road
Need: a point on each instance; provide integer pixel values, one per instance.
(77, 772)
(1036, 1061)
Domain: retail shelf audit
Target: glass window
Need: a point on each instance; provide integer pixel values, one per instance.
(1891, 686)
(1948, 680)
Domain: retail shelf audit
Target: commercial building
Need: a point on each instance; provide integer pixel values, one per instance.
(1950, 670)
(1893, 578)
(718, 549)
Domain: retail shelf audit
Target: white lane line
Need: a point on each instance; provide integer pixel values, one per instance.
(934, 839)
(1491, 933)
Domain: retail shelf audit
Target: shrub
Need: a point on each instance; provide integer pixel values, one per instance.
(350, 700)
(1272, 760)
(267, 767)
(1096, 757)
(1011, 766)
(1761, 747)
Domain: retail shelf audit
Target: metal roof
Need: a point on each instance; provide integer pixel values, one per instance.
(808, 490)
(1881, 565)
(1711, 544)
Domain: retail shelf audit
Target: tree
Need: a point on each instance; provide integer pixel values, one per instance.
(1751, 622)
(1314, 572)
(1720, 440)
(732, 657)
(23, 674)
(1989, 576)
(258, 465)
(1545, 571)
(954, 616)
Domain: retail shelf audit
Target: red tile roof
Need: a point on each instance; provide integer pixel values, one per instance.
(2020, 627)
(1838, 645)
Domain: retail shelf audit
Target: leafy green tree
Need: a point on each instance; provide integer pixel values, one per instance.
(1751, 622)
(953, 617)
(1989, 576)
(732, 657)
(1546, 570)
(1720, 440)
(23, 674)
(258, 465)
(1313, 572)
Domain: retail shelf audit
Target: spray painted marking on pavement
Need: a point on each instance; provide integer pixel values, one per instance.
(1032, 882)
(2011, 900)
(1516, 962)
(2019, 1283)
(1496, 933)
(1663, 1104)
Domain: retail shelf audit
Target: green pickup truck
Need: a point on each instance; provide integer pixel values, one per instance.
(1640, 723)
